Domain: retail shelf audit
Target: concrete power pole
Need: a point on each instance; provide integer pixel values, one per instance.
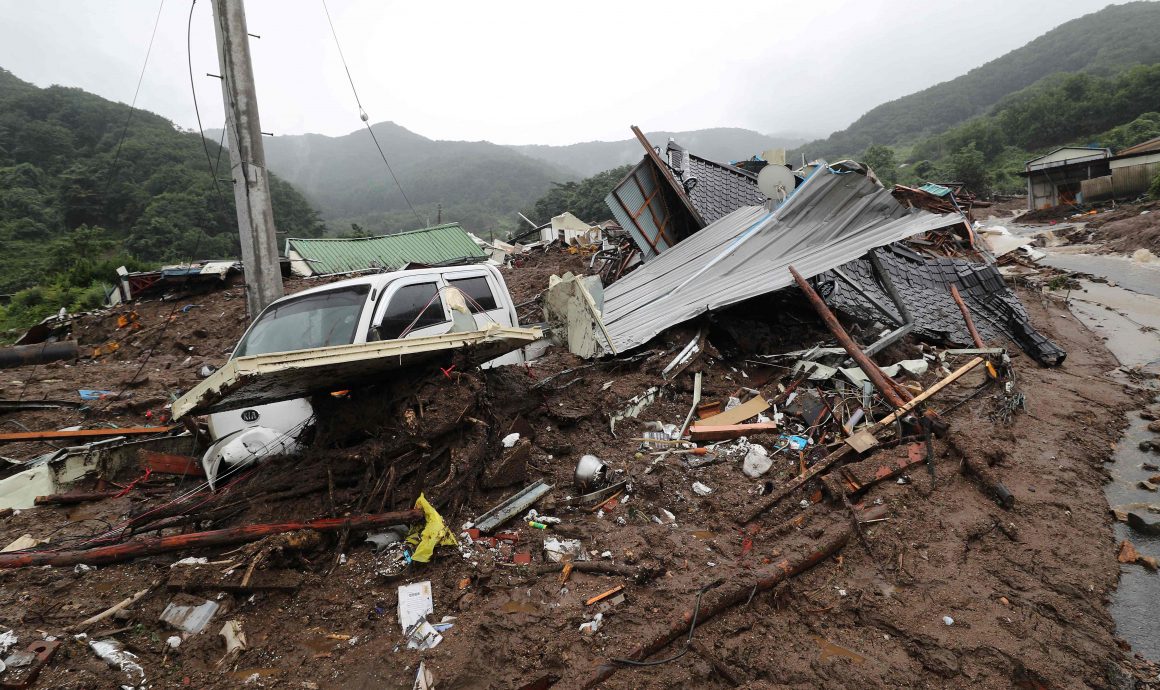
(247, 157)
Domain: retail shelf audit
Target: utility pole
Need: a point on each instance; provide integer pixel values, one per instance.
(247, 157)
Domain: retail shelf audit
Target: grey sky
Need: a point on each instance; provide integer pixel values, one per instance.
(531, 72)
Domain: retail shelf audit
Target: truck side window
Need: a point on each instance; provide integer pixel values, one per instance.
(410, 301)
(478, 290)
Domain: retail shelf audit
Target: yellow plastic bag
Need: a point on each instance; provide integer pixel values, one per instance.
(434, 533)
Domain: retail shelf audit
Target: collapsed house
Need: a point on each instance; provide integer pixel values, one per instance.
(826, 225)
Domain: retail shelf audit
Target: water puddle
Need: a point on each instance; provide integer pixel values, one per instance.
(1133, 604)
(1127, 316)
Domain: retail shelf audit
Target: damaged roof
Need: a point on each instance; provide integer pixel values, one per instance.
(719, 189)
(431, 246)
(830, 219)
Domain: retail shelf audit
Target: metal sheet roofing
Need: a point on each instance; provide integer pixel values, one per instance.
(435, 245)
(830, 219)
(1150, 146)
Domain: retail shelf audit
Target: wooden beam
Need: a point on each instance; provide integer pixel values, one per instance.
(19, 436)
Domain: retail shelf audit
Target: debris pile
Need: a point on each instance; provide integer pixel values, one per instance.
(787, 428)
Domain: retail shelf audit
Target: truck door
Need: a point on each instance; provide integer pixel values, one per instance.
(481, 299)
(413, 307)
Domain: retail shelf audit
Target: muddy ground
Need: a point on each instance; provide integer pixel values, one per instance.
(1025, 589)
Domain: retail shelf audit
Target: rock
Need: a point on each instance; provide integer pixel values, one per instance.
(1149, 467)
(1127, 553)
(1149, 446)
(1144, 524)
(1154, 426)
(1147, 486)
(757, 461)
(1147, 414)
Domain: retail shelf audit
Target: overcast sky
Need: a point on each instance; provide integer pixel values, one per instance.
(530, 72)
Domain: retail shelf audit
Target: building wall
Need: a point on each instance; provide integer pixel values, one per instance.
(1123, 183)
(1146, 159)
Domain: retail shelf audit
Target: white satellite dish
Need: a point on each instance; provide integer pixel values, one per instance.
(776, 181)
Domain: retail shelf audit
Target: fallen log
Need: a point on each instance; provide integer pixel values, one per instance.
(103, 555)
(41, 353)
(830, 460)
(716, 601)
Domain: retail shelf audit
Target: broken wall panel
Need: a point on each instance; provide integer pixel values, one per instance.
(924, 284)
(830, 219)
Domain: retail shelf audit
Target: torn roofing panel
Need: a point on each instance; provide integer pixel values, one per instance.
(829, 220)
(924, 285)
(278, 376)
(719, 189)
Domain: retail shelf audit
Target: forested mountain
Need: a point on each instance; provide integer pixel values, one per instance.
(76, 200)
(1101, 44)
(479, 184)
(722, 144)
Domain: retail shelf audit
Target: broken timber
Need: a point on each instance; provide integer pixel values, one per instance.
(709, 432)
(830, 460)
(716, 601)
(103, 555)
(20, 436)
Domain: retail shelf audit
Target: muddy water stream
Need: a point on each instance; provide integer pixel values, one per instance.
(1127, 315)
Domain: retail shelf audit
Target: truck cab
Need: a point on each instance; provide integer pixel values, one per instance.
(384, 306)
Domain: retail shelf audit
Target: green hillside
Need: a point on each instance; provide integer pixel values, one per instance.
(478, 184)
(1101, 44)
(69, 216)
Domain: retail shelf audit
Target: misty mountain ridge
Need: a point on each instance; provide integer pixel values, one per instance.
(1102, 43)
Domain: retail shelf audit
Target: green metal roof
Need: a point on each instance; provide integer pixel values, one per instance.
(434, 245)
(936, 189)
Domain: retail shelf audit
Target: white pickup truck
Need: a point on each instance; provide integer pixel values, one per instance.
(384, 306)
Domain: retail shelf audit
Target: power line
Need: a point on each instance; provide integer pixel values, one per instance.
(197, 112)
(133, 105)
(363, 115)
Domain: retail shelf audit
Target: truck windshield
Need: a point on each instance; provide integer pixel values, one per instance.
(317, 320)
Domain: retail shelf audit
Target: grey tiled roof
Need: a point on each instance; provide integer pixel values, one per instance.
(720, 190)
(924, 284)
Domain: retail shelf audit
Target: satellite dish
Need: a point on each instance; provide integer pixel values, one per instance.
(776, 181)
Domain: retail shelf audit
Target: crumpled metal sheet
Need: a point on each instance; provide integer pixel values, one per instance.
(831, 218)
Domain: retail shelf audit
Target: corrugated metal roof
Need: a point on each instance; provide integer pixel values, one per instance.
(434, 245)
(1150, 146)
(935, 189)
(830, 219)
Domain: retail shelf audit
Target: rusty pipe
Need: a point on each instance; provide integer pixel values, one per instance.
(40, 353)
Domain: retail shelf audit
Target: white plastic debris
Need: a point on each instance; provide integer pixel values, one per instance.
(701, 490)
(606, 555)
(190, 560)
(593, 625)
(948, 620)
(757, 461)
(114, 654)
(509, 441)
(81, 568)
(559, 550)
(190, 619)
(173, 641)
(7, 641)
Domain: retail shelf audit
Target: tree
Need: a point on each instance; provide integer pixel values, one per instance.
(967, 165)
(881, 160)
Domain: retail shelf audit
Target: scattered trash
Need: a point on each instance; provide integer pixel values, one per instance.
(701, 490)
(512, 507)
(190, 619)
(948, 620)
(415, 604)
(423, 678)
(114, 654)
(510, 440)
(590, 473)
(593, 625)
(757, 461)
(190, 560)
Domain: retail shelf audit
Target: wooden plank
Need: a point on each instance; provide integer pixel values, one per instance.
(746, 410)
(845, 449)
(166, 463)
(724, 432)
(83, 433)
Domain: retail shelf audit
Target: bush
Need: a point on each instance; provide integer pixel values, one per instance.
(1154, 190)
